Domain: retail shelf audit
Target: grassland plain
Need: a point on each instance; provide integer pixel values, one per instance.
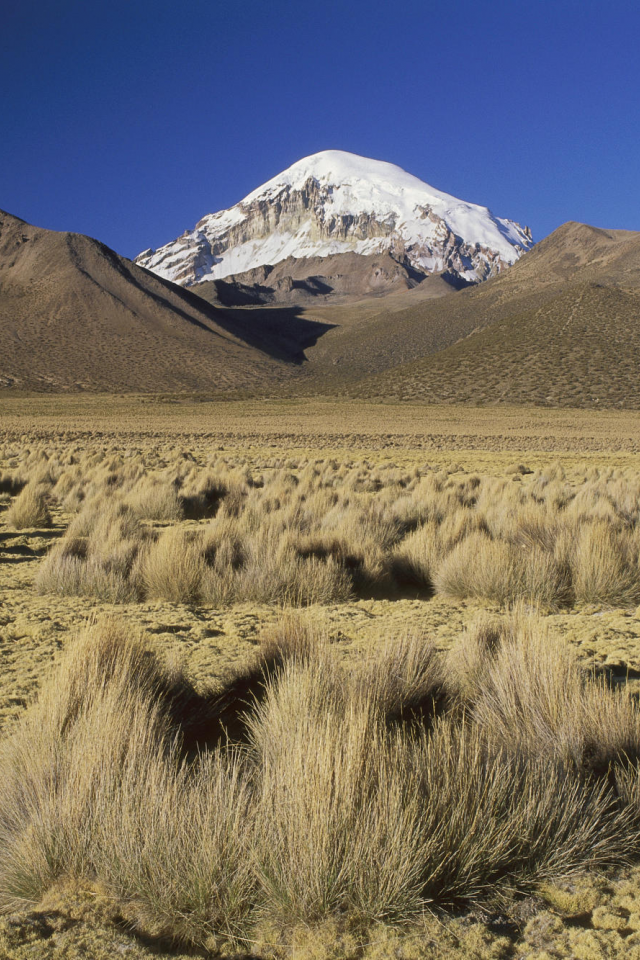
(239, 461)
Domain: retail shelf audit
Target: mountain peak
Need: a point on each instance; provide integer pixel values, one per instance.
(339, 166)
(336, 202)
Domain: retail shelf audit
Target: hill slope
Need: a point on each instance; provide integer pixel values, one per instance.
(75, 315)
(561, 327)
(308, 281)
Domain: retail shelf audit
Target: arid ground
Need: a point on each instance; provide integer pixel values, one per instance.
(208, 524)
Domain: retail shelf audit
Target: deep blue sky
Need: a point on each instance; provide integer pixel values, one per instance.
(131, 120)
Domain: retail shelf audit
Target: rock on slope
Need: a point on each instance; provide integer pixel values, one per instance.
(75, 315)
(333, 203)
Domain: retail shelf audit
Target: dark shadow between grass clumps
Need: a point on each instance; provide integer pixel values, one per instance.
(207, 720)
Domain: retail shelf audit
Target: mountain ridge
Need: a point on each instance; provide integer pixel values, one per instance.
(560, 327)
(76, 315)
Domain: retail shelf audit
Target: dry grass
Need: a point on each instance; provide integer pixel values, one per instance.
(173, 845)
(340, 801)
(94, 782)
(348, 429)
(331, 808)
(449, 734)
(320, 532)
(156, 501)
(29, 509)
(172, 567)
(531, 694)
(606, 564)
(494, 824)
(63, 762)
(405, 678)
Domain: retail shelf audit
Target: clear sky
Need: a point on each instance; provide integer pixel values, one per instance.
(128, 120)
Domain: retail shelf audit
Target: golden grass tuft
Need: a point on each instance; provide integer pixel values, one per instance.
(405, 678)
(63, 762)
(172, 568)
(531, 695)
(495, 824)
(30, 508)
(338, 829)
(322, 533)
(155, 500)
(332, 799)
(606, 566)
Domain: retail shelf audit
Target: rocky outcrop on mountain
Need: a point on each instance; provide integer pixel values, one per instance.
(307, 280)
(335, 203)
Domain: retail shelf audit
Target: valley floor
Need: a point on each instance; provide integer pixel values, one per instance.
(597, 917)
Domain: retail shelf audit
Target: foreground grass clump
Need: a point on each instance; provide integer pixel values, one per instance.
(94, 783)
(310, 792)
(529, 693)
(315, 531)
(331, 807)
(29, 509)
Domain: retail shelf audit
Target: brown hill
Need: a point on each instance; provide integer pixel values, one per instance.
(342, 278)
(75, 315)
(560, 327)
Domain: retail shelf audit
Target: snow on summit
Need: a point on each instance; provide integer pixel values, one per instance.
(336, 202)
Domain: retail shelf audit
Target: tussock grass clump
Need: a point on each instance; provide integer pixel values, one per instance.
(98, 557)
(498, 570)
(292, 639)
(495, 824)
(331, 808)
(329, 799)
(93, 783)
(30, 508)
(405, 678)
(467, 660)
(606, 565)
(202, 495)
(155, 500)
(63, 762)
(68, 574)
(172, 568)
(320, 532)
(173, 845)
(531, 695)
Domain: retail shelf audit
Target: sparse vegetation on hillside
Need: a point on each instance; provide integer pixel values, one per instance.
(579, 348)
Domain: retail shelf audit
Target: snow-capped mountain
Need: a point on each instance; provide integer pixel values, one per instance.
(335, 202)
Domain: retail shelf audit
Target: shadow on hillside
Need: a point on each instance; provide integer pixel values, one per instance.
(282, 332)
